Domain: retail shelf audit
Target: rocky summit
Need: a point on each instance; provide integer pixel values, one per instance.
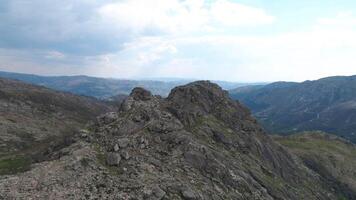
(195, 144)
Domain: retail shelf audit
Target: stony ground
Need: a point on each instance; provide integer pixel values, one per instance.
(195, 144)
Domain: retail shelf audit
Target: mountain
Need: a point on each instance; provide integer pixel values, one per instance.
(105, 88)
(34, 119)
(331, 157)
(195, 144)
(101, 88)
(328, 104)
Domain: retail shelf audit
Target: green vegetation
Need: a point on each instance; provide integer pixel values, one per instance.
(14, 164)
(319, 143)
(330, 156)
(101, 158)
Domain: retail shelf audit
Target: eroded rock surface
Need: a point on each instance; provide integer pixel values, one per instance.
(195, 144)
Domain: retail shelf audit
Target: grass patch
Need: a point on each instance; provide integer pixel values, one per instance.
(101, 158)
(14, 164)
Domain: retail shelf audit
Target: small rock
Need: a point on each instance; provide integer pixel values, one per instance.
(157, 139)
(123, 143)
(125, 155)
(113, 159)
(155, 193)
(116, 147)
(147, 192)
(158, 193)
(143, 143)
(189, 194)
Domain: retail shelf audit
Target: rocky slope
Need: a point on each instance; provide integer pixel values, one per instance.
(195, 144)
(34, 118)
(328, 104)
(331, 157)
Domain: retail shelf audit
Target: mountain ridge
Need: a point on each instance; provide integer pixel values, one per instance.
(327, 104)
(195, 144)
(104, 88)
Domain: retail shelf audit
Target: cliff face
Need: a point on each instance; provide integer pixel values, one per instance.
(195, 144)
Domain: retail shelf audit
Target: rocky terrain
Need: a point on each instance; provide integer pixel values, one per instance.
(328, 104)
(331, 157)
(35, 119)
(195, 144)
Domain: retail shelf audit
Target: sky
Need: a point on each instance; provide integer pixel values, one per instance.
(231, 40)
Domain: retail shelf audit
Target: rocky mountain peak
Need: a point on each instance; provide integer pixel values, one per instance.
(195, 144)
(142, 94)
(201, 98)
(202, 93)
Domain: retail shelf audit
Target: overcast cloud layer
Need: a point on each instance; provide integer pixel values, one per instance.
(215, 39)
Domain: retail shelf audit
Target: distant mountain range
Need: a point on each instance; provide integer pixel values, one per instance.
(327, 104)
(104, 88)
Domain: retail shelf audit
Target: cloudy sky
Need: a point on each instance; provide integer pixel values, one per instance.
(234, 40)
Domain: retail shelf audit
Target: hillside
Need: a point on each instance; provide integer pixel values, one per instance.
(333, 158)
(328, 104)
(195, 144)
(101, 88)
(33, 119)
(105, 88)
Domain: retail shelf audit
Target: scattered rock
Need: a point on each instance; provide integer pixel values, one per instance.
(107, 118)
(181, 153)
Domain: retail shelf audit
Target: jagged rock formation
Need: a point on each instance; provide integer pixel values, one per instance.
(195, 144)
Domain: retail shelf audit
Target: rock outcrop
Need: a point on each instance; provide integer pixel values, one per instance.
(195, 144)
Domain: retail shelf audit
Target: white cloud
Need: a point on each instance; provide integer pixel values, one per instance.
(176, 16)
(155, 15)
(345, 18)
(234, 14)
(55, 55)
(321, 51)
(183, 38)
